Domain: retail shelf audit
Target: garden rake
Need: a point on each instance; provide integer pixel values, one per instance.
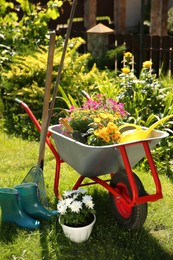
(36, 172)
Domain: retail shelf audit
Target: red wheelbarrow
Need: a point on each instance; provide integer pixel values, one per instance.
(127, 194)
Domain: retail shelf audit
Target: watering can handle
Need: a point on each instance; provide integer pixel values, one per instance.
(127, 127)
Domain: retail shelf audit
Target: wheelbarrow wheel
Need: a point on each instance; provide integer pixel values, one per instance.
(127, 217)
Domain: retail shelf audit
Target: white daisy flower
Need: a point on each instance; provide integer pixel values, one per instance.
(62, 207)
(87, 200)
(76, 206)
(81, 190)
(68, 201)
(67, 193)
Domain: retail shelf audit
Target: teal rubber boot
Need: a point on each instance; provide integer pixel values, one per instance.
(12, 211)
(29, 193)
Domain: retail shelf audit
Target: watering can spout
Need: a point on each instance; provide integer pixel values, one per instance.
(137, 132)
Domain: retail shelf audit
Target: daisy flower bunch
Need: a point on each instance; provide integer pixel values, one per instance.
(76, 208)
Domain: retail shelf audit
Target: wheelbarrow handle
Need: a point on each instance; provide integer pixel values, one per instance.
(85, 94)
(18, 100)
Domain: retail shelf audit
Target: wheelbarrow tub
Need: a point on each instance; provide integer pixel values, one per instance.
(92, 161)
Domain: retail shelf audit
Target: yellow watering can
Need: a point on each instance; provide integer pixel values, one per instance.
(138, 133)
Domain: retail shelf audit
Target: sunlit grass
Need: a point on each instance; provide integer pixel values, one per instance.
(153, 241)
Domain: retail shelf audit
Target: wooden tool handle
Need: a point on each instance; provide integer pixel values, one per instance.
(67, 126)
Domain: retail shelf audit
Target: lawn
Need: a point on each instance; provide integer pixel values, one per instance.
(153, 241)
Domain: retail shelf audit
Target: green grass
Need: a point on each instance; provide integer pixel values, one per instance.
(153, 241)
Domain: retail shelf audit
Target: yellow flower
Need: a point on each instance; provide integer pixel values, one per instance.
(128, 54)
(147, 64)
(125, 70)
(117, 115)
(104, 115)
(111, 127)
(96, 132)
(102, 133)
(97, 120)
(111, 117)
(106, 138)
(116, 136)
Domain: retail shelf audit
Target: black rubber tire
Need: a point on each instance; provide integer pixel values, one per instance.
(136, 216)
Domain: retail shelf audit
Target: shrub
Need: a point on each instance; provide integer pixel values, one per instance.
(25, 80)
(25, 24)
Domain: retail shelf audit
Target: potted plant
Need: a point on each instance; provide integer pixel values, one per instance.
(77, 215)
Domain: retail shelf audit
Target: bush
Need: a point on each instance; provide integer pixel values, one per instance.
(25, 24)
(25, 80)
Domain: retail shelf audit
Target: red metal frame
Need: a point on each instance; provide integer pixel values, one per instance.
(135, 199)
(49, 143)
(97, 180)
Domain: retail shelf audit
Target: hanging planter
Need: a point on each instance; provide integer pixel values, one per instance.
(78, 234)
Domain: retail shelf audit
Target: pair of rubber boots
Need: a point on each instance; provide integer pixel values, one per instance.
(22, 206)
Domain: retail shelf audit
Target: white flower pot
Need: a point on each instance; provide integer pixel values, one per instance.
(78, 234)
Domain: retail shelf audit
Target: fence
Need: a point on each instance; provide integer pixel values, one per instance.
(157, 48)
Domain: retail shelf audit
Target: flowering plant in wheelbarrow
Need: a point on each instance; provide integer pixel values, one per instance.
(97, 121)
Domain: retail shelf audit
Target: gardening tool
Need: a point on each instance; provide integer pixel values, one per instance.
(61, 63)
(12, 211)
(31, 204)
(81, 137)
(138, 133)
(36, 172)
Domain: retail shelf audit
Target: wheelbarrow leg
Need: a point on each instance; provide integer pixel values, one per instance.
(78, 183)
(153, 168)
